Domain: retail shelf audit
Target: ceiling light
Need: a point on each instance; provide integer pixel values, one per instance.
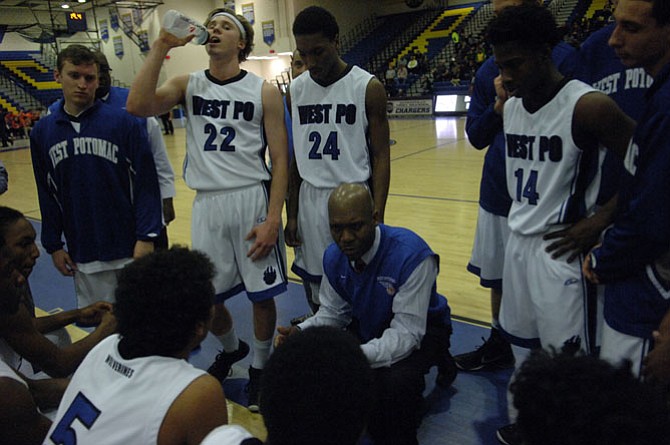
(81, 1)
(65, 6)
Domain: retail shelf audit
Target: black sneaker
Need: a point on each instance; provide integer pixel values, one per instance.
(224, 361)
(509, 435)
(494, 354)
(254, 389)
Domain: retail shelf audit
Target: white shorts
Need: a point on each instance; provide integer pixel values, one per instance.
(96, 286)
(617, 347)
(220, 223)
(313, 232)
(488, 250)
(546, 301)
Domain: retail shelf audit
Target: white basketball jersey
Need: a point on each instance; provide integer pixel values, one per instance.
(330, 129)
(111, 400)
(225, 141)
(550, 180)
(7, 372)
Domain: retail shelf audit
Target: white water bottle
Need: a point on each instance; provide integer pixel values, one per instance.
(180, 26)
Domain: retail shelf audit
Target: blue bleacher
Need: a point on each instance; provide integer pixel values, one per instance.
(44, 96)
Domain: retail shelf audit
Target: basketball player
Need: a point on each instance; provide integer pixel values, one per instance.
(21, 422)
(137, 386)
(326, 411)
(597, 64)
(24, 337)
(633, 259)
(484, 128)
(96, 184)
(233, 117)
(116, 97)
(553, 128)
(340, 134)
(568, 400)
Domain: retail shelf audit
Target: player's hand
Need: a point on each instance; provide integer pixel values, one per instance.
(92, 315)
(107, 325)
(265, 236)
(291, 233)
(657, 362)
(576, 239)
(142, 248)
(501, 95)
(64, 263)
(172, 41)
(168, 211)
(587, 269)
(284, 333)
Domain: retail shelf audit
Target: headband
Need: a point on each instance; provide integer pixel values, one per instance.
(235, 20)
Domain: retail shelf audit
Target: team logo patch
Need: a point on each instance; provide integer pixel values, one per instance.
(570, 281)
(270, 275)
(389, 284)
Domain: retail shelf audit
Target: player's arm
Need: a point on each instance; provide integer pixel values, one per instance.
(657, 362)
(87, 316)
(266, 234)
(20, 421)
(47, 393)
(292, 195)
(199, 409)
(145, 99)
(483, 123)
(163, 168)
(598, 118)
(20, 333)
(635, 239)
(380, 151)
(410, 318)
(52, 217)
(146, 193)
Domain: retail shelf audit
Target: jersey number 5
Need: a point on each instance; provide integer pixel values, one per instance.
(329, 147)
(82, 409)
(228, 134)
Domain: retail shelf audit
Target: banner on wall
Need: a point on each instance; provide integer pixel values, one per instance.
(104, 30)
(230, 4)
(248, 12)
(410, 107)
(113, 19)
(143, 36)
(118, 46)
(137, 17)
(268, 32)
(127, 22)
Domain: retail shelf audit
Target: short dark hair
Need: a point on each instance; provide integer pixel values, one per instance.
(77, 55)
(568, 400)
(248, 29)
(8, 217)
(315, 20)
(160, 298)
(317, 388)
(660, 11)
(528, 24)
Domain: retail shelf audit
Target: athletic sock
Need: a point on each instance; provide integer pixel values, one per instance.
(229, 341)
(261, 353)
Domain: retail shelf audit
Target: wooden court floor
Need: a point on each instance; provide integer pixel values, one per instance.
(435, 176)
